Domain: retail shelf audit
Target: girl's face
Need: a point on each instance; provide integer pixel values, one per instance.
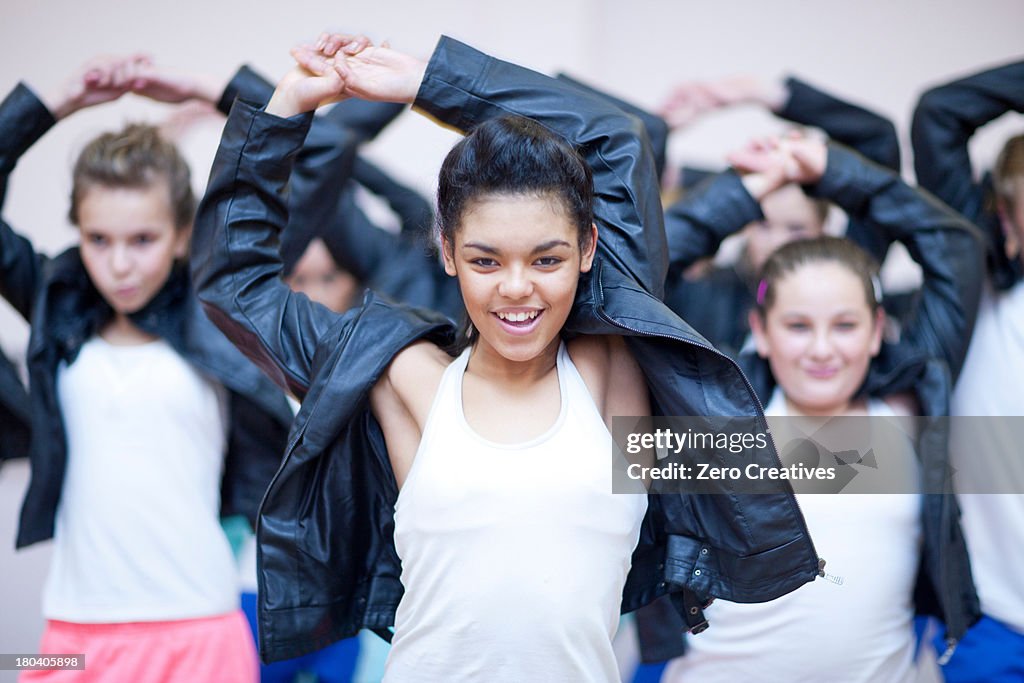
(129, 242)
(819, 337)
(518, 261)
(788, 216)
(317, 276)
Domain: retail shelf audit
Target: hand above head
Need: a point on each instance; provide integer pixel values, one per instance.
(769, 163)
(164, 84)
(369, 72)
(102, 79)
(185, 118)
(313, 81)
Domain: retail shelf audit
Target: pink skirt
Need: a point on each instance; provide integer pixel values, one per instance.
(187, 651)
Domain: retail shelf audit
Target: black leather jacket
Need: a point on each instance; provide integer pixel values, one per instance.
(64, 310)
(14, 414)
(945, 119)
(929, 354)
(328, 565)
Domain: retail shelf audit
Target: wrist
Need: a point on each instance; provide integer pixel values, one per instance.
(59, 105)
(282, 105)
(774, 95)
(761, 184)
(208, 89)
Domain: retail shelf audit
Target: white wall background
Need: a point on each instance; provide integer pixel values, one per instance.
(879, 52)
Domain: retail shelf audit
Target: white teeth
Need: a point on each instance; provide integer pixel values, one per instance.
(519, 317)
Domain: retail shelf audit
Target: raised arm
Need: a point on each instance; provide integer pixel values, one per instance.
(23, 120)
(946, 118)
(865, 131)
(235, 262)
(947, 247)
(655, 126)
(25, 115)
(697, 223)
(463, 87)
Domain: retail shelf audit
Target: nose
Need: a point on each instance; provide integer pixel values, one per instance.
(821, 345)
(515, 283)
(120, 260)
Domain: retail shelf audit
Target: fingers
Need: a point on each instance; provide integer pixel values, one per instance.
(311, 59)
(330, 43)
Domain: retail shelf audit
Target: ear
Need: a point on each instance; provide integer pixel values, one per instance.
(878, 332)
(1011, 242)
(448, 255)
(587, 257)
(182, 237)
(757, 330)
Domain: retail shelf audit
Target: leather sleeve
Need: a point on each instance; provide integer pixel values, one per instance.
(463, 87)
(23, 120)
(247, 85)
(236, 267)
(861, 129)
(946, 246)
(945, 119)
(655, 126)
(696, 224)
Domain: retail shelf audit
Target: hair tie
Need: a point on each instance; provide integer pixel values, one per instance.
(876, 285)
(762, 290)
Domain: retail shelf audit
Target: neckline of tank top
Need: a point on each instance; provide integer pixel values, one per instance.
(462, 362)
(777, 406)
(127, 348)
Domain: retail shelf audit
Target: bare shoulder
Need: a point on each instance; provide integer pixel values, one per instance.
(412, 377)
(401, 401)
(612, 375)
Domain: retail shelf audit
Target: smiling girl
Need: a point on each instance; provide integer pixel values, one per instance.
(468, 501)
(147, 424)
(819, 352)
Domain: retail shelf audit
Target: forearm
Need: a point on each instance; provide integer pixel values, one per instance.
(655, 126)
(946, 246)
(463, 87)
(861, 129)
(944, 121)
(23, 120)
(236, 267)
(698, 223)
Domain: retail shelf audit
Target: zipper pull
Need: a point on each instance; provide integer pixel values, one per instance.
(821, 567)
(948, 654)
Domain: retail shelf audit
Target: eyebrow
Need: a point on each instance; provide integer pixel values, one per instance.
(545, 246)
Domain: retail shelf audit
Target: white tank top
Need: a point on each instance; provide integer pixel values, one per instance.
(514, 556)
(137, 534)
(853, 625)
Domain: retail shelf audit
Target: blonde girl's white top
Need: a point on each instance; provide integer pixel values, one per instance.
(514, 556)
(855, 624)
(137, 536)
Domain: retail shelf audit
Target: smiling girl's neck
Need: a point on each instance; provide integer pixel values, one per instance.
(488, 364)
(850, 408)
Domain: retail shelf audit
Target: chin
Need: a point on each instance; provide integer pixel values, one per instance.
(519, 350)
